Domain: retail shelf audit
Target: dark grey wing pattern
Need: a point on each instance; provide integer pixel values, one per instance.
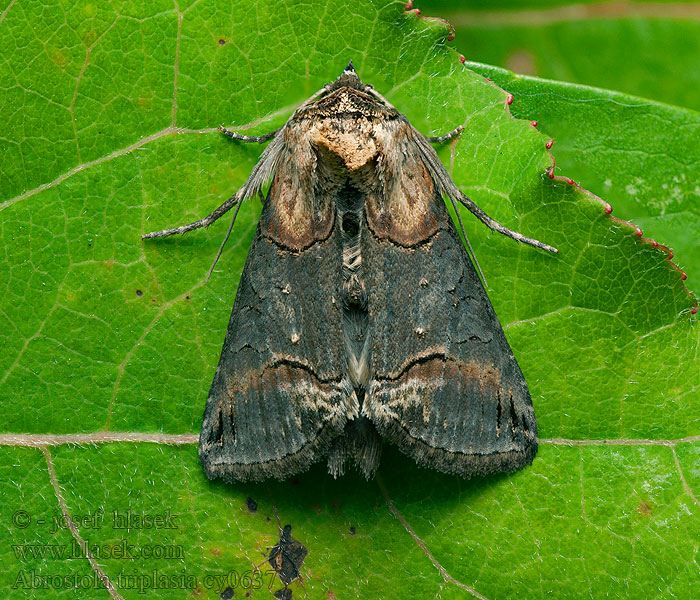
(445, 388)
(278, 397)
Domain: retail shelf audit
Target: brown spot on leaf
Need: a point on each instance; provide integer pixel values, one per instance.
(56, 56)
(287, 556)
(222, 42)
(645, 508)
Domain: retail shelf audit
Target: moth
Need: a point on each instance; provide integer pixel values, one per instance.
(359, 315)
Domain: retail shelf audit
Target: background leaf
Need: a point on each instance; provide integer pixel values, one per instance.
(640, 48)
(110, 343)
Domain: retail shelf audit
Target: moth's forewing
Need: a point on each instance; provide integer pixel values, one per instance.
(277, 399)
(446, 387)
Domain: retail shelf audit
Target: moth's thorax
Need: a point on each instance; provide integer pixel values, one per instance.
(344, 123)
(351, 140)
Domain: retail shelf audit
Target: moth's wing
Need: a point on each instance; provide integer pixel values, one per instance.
(446, 387)
(278, 398)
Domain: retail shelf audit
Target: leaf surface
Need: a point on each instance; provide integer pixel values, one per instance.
(111, 343)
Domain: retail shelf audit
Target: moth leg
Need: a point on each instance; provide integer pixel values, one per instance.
(495, 226)
(448, 136)
(205, 222)
(258, 139)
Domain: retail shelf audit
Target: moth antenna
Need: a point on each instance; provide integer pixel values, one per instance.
(496, 226)
(228, 233)
(205, 222)
(466, 239)
(258, 139)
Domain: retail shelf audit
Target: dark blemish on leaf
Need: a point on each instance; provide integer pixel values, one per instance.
(330, 594)
(268, 519)
(227, 594)
(252, 505)
(287, 556)
(222, 42)
(216, 551)
(153, 299)
(352, 531)
(283, 594)
(187, 298)
(645, 508)
(139, 293)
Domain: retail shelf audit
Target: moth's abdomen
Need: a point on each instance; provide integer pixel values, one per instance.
(353, 292)
(360, 441)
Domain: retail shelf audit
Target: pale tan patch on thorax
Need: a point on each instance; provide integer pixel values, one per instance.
(350, 139)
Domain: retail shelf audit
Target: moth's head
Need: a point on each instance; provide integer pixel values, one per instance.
(350, 79)
(347, 98)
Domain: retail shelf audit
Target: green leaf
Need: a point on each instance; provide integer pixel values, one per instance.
(640, 48)
(111, 343)
(637, 154)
